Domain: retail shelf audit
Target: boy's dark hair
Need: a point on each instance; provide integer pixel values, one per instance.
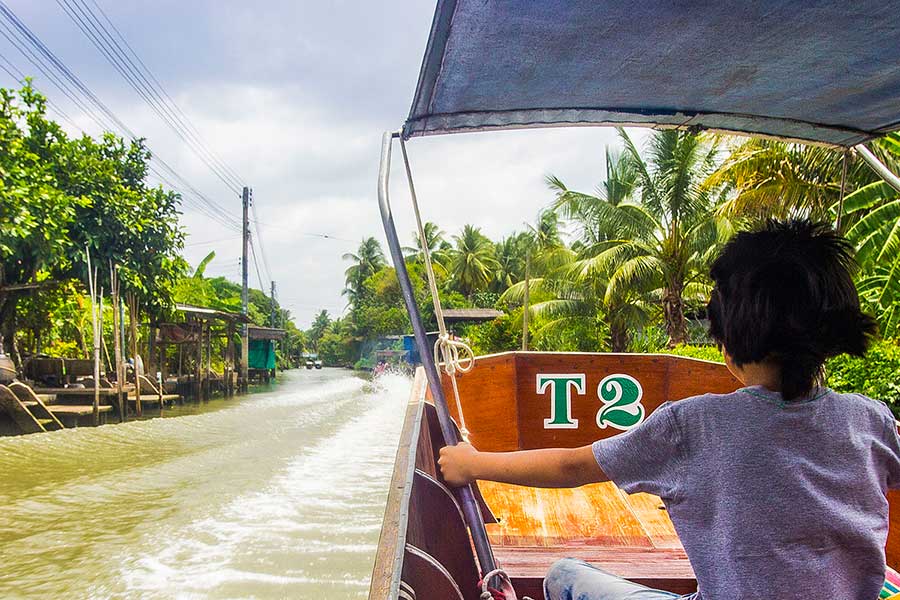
(785, 294)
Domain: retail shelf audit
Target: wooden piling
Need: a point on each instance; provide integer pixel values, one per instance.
(229, 359)
(117, 340)
(209, 359)
(198, 362)
(133, 320)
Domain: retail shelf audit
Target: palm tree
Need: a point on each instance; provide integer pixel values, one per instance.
(573, 302)
(768, 178)
(366, 262)
(591, 213)
(874, 211)
(510, 254)
(473, 261)
(438, 247)
(653, 231)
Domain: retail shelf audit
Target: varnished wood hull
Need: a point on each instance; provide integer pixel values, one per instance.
(424, 545)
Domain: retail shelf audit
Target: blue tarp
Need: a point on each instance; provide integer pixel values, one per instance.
(820, 71)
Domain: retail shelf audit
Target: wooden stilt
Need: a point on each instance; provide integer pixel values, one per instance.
(198, 362)
(117, 340)
(208, 360)
(133, 320)
(229, 359)
(92, 278)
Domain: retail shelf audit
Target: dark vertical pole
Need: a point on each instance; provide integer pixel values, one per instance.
(466, 497)
(272, 318)
(229, 359)
(209, 332)
(245, 295)
(198, 363)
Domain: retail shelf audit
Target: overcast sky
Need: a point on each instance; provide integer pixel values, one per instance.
(293, 96)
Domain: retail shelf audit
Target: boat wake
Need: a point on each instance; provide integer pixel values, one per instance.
(311, 530)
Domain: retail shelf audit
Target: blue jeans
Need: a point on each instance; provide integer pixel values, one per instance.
(571, 579)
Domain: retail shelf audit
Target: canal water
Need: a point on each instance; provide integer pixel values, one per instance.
(278, 494)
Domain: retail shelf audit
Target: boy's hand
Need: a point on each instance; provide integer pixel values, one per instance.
(457, 463)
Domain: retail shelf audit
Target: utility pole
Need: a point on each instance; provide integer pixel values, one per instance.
(274, 322)
(245, 294)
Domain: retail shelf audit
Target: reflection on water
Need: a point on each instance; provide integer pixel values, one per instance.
(275, 495)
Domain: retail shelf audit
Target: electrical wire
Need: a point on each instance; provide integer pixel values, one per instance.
(155, 80)
(262, 249)
(256, 264)
(89, 24)
(37, 53)
(22, 79)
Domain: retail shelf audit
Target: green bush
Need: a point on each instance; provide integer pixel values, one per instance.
(648, 340)
(500, 335)
(703, 352)
(876, 375)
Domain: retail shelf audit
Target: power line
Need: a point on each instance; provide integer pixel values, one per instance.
(22, 79)
(99, 35)
(325, 236)
(156, 81)
(262, 249)
(195, 199)
(256, 264)
(208, 242)
(35, 60)
(205, 205)
(36, 43)
(26, 42)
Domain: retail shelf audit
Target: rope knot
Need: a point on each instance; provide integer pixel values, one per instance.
(452, 354)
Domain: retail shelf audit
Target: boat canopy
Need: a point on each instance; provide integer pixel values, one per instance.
(824, 71)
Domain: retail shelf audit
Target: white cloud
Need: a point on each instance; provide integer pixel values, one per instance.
(295, 99)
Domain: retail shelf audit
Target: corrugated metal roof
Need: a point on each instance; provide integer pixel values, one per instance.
(212, 313)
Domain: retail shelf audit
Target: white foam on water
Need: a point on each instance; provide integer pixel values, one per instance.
(311, 530)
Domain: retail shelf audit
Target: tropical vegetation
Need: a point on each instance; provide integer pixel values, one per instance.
(70, 202)
(625, 267)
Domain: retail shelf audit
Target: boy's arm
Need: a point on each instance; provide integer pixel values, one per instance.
(547, 467)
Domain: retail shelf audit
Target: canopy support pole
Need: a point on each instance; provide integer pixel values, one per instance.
(464, 494)
(879, 167)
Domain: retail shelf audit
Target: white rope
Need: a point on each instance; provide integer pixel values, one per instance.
(453, 355)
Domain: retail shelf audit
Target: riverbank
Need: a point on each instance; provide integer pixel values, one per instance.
(276, 494)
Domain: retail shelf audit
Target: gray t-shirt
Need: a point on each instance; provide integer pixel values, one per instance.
(770, 499)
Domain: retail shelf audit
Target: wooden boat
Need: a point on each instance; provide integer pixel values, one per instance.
(824, 75)
(425, 545)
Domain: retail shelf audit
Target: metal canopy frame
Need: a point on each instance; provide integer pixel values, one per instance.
(448, 100)
(465, 495)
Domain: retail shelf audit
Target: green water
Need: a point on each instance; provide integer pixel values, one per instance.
(278, 494)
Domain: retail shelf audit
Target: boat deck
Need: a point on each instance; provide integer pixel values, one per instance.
(628, 535)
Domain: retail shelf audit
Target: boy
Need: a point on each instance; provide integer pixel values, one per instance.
(776, 490)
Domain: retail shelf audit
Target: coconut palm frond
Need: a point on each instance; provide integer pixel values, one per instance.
(639, 272)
